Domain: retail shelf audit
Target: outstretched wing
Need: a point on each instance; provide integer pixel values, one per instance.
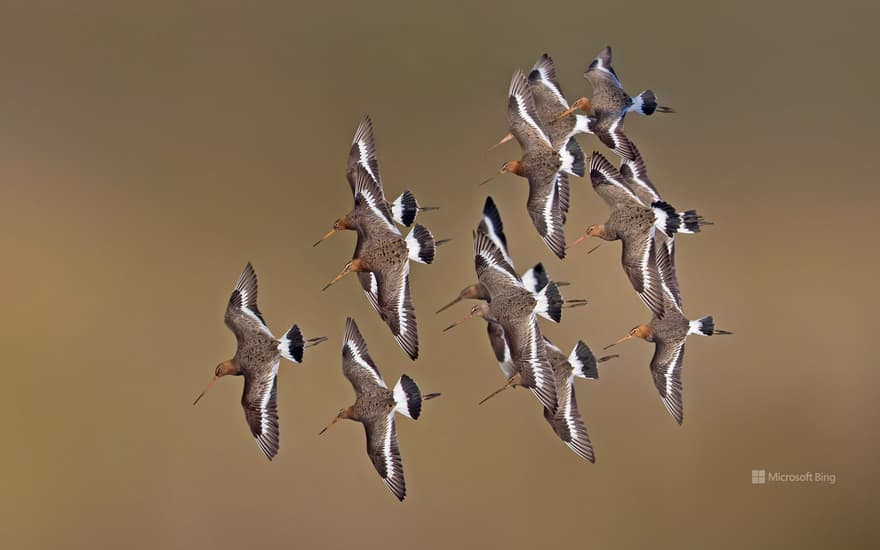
(384, 451)
(260, 403)
(666, 369)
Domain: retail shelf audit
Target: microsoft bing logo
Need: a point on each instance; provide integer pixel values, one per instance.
(759, 477)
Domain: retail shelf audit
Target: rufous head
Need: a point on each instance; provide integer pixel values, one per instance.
(347, 412)
(509, 167)
(471, 293)
(223, 369)
(592, 231)
(639, 331)
(341, 224)
(581, 104)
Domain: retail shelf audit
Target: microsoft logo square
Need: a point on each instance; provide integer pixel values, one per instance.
(759, 477)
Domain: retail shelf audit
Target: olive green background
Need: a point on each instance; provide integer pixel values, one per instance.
(147, 152)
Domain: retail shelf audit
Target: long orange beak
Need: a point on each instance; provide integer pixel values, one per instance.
(566, 113)
(580, 239)
(345, 271)
(449, 305)
(455, 324)
(627, 337)
(504, 140)
(325, 237)
(209, 386)
(484, 182)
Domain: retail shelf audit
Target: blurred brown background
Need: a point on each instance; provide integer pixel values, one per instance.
(148, 152)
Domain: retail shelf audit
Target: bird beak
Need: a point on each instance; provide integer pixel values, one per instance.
(581, 239)
(504, 140)
(627, 337)
(325, 237)
(498, 173)
(450, 304)
(455, 324)
(328, 426)
(515, 379)
(345, 271)
(566, 113)
(209, 386)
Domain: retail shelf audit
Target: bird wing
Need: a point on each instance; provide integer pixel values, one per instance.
(242, 316)
(357, 365)
(545, 209)
(608, 183)
(491, 225)
(666, 369)
(639, 259)
(384, 451)
(259, 401)
(600, 73)
(501, 349)
(371, 204)
(396, 307)
(530, 356)
(493, 271)
(635, 175)
(568, 422)
(522, 115)
(363, 153)
(371, 288)
(665, 252)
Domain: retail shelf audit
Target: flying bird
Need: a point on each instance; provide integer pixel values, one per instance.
(610, 104)
(257, 358)
(375, 406)
(363, 153)
(381, 259)
(543, 165)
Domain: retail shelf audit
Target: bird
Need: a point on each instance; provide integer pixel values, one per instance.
(636, 224)
(382, 255)
(257, 358)
(514, 307)
(668, 334)
(375, 406)
(535, 279)
(363, 152)
(567, 421)
(635, 175)
(610, 103)
(543, 165)
(548, 97)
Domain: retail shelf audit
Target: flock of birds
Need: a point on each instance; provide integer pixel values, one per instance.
(544, 125)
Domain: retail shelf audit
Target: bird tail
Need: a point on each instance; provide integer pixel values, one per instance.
(404, 208)
(646, 103)
(583, 361)
(573, 160)
(549, 303)
(292, 344)
(421, 245)
(705, 327)
(535, 279)
(408, 399)
(670, 221)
